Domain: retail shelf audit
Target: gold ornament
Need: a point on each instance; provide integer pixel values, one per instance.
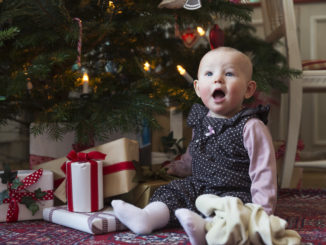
(172, 4)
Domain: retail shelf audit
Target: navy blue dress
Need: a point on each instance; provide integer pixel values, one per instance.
(220, 162)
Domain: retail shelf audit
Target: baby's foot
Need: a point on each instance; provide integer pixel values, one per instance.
(141, 221)
(193, 224)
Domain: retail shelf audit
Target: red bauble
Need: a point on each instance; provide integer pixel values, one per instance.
(216, 37)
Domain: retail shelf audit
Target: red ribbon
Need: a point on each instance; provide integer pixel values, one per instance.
(109, 169)
(15, 195)
(118, 167)
(83, 157)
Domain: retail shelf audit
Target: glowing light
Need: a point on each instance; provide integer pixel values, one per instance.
(147, 66)
(85, 83)
(85, 78)
(111, 5)
(181, 69)
(201, 31)
(185, 74)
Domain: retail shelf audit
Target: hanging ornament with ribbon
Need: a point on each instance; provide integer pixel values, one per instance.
(216, 37)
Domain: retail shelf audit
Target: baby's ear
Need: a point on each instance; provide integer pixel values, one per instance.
(251, 88)
(196, 87)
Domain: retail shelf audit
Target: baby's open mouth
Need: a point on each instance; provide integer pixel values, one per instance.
(218, 94)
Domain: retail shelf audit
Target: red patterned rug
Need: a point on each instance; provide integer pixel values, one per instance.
(305, 211)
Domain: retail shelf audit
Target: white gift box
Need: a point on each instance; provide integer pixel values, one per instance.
(84, 186)
(45, 183)
(99, 222)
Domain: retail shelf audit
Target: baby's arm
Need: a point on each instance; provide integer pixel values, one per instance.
(262, 170)
(182, 167)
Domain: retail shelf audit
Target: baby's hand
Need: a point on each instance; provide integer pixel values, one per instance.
(178, 168)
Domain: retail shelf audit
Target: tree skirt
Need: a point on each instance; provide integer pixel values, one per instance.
(305, 211)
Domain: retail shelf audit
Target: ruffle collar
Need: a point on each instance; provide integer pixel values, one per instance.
(198, 112)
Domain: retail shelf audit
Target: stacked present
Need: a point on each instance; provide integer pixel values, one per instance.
(84, 191)
(90, 176)
(24, 194)
(118, 168)
(85, 179)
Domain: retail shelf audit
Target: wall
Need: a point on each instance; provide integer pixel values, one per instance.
(13, 145)
(311, 22)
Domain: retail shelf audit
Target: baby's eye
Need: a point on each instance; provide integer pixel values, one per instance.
(209, 73)
(229, 74)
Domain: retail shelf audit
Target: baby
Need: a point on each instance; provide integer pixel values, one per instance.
(231, 152)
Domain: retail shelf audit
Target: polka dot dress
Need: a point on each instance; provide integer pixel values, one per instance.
(220, 163)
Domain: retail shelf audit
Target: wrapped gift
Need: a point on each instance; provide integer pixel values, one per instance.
(84, 181)
(142, 193)
(26, 196)
(99, 222)
(118, 168)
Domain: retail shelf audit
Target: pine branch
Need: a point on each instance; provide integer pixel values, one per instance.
(8, 34)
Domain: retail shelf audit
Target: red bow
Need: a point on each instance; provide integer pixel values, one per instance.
(15, 195)
(83, 157)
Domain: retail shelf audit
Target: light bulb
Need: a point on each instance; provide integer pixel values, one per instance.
(201, 31)
(181, 69)
(185, 74)
(85, 83)
(147, 66)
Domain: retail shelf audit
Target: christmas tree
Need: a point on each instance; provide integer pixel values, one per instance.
(129, 50)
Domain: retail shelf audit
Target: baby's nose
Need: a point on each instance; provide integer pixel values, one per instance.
(219, 79)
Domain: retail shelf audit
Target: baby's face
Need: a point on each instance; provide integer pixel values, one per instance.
(224, 81)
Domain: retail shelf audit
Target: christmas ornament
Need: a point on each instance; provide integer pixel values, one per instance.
(77, 65)
(111, 67)
(192, 4)
(216, 37)
(172, 4)
(190, 37)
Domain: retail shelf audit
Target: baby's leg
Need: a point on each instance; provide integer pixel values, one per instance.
(142, 221)
(193, 224)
